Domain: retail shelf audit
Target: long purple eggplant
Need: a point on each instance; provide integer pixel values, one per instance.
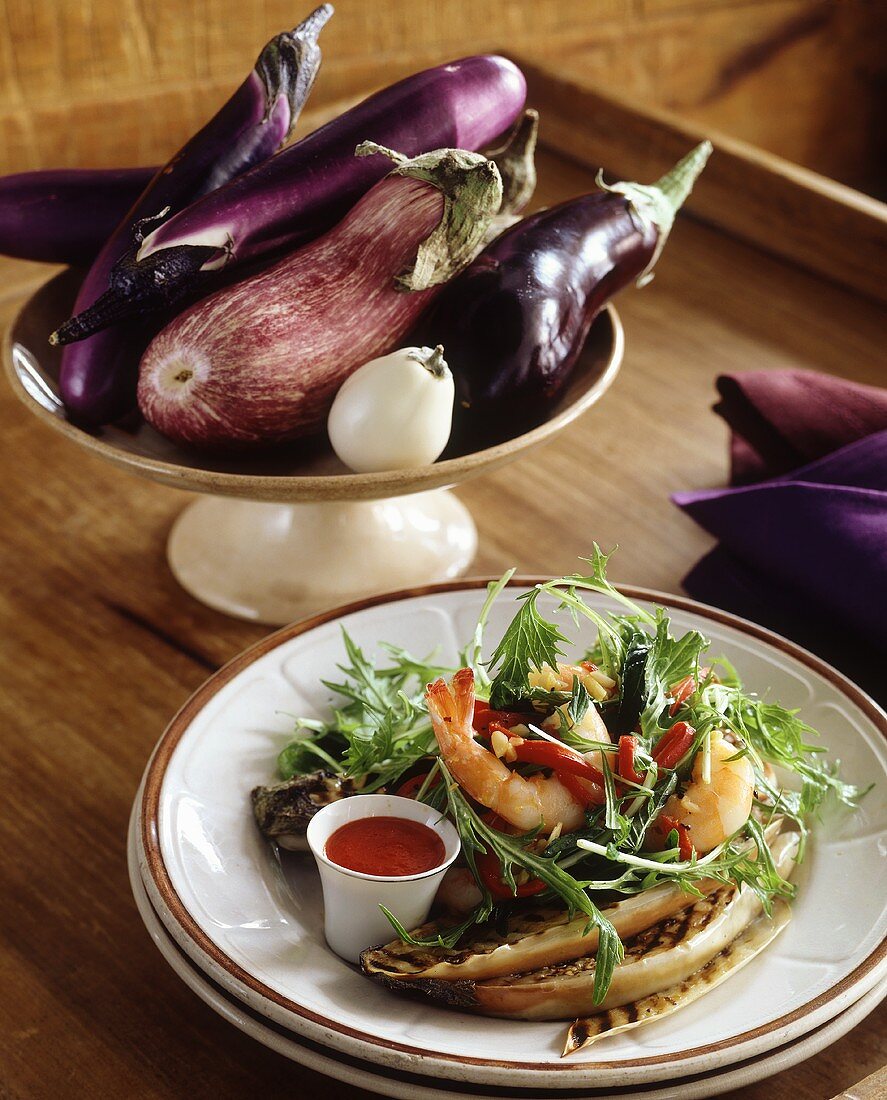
(514, 322)
(98, 376)
(308, 188)
(65, 215)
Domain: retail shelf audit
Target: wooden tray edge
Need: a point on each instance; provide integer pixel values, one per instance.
(808, 219)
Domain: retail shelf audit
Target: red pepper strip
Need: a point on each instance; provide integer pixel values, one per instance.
(490, 870)
(582, 779)
(627, 748)
(560, 758)
(584, 791)
(674, 744)
(410, 787)
(668, 824)
(483, 716)
(680, 693)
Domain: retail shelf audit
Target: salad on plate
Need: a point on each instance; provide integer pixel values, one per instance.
(630, 817)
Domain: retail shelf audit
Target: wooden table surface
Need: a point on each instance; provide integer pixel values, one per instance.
(99, 647)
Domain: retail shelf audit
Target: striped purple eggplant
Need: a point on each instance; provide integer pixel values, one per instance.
(97, 376)
(260, 362)
(65, 215)
(298, 195)
(514, 322)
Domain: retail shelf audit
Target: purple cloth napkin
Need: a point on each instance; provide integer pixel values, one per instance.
(804, 551)
(785, 419)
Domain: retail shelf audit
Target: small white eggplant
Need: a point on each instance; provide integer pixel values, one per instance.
(394, 412)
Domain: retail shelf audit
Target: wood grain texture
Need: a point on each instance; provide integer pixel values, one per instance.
(99, 647)
(86, 82)
(873, 1087)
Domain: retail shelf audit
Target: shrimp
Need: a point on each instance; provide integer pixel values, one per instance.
(535, 802)
(591, 724)
(714, 811)
(459, 891)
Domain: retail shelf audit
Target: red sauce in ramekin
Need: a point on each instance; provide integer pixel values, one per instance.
(391, 847)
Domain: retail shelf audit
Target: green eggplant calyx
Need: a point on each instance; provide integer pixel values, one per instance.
(472, 190)
(658, 203)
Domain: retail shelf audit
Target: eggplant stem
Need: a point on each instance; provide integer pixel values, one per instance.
(658, 203)
(516, 163)
(435, 363)
(106, 310)
(138, 287)
(472, 190)
(313, 24)
(288, 64)
(677, 184)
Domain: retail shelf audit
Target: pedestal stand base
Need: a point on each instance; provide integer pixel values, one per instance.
(275, 563)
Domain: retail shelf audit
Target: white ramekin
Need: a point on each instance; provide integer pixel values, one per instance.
(353, 920)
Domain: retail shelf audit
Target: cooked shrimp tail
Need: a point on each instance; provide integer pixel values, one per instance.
(533, 803)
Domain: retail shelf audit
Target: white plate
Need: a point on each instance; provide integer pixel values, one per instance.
(220, 893)
(368, 1077)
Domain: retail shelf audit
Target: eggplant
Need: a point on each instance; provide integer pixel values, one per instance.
(65, 215)
(282, 811)
(531, 937)
(260, 362)
(97, 378)
(297, 196)
(749, 944)
(661, 956)
(514, 322)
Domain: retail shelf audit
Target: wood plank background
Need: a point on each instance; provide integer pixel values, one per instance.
(89, 82)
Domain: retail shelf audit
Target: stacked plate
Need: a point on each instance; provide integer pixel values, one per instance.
(243, 928)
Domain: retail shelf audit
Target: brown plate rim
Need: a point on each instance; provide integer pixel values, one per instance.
(150, 813)
(321, 486)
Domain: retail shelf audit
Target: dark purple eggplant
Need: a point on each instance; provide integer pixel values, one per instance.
(514, 322)
(97, 377)
(65, 215)
(300, 194)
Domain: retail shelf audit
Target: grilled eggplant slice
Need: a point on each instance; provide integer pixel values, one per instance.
(283, 811)
(532, 937)
(664, 955)
(742, 950)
